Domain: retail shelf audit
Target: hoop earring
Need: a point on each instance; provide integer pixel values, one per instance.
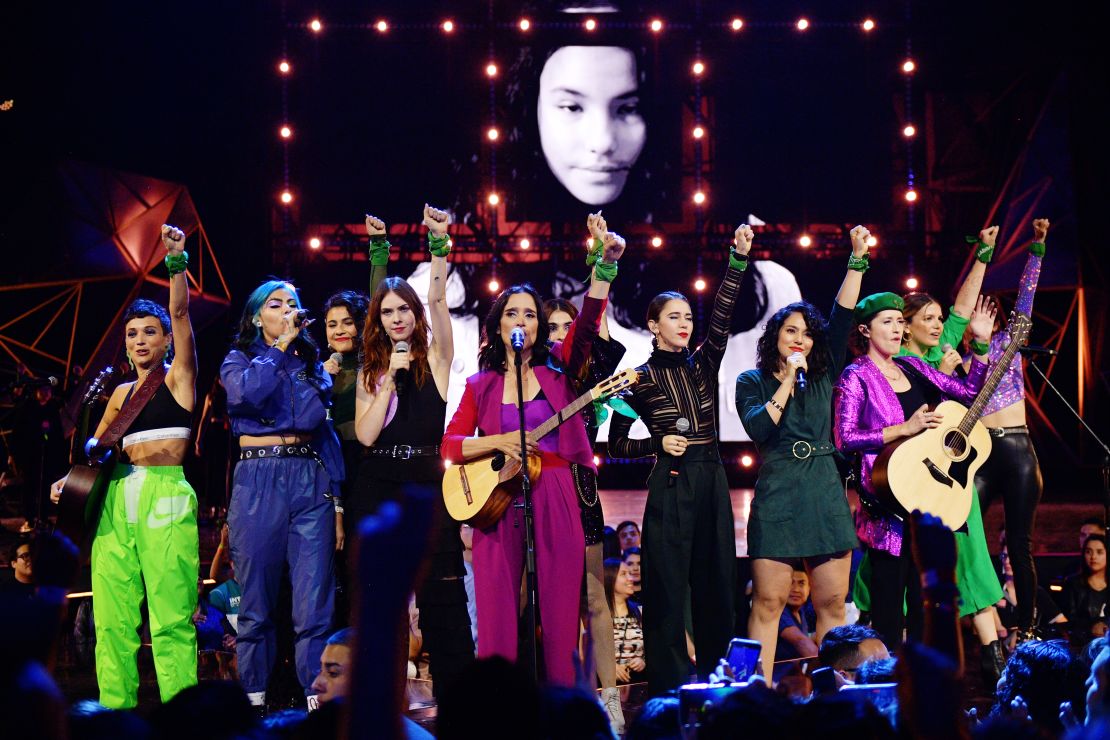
(258, 323)
(130, 361)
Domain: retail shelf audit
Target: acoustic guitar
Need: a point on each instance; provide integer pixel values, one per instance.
(480, 491)
(83, 492)
(934, 471)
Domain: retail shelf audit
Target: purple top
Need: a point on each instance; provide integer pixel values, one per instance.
(536, 412)
(863, 405)
(1012, 388)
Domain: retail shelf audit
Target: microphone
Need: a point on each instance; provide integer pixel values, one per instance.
(299, 317)
(946, 348)
(800, 375)
(681, 426)
(50, 381)
(400, 378)
(1033, 350)
(337, 358)
(516, 338)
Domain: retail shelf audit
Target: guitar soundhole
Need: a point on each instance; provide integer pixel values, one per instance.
(955, 443)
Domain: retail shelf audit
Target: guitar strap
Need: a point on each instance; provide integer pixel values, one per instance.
(133, 405)
(932, 394)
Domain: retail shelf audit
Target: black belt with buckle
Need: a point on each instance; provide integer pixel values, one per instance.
(402, 452)
(258, 453)
(801, 450)
(1007, 431)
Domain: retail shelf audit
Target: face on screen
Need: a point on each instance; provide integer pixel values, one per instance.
(590, 124)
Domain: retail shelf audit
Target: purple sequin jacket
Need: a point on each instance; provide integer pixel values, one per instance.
(1012, 388)
(863, 405)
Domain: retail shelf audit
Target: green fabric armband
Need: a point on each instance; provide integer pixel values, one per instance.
(440, 246)
(177, 263)
(983, 252)
(859, 264)
(379, 250)
(1037, 248)
(979, 348)
(737, 261)
(606, 272)
(595, 252)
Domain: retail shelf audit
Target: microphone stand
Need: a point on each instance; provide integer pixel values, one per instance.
(1105, 469)
(531, 582)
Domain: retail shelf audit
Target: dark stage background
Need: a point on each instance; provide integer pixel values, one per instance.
(803, 131)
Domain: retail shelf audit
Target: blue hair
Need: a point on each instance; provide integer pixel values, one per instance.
(248, 333)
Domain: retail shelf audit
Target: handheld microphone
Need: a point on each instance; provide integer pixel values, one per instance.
(337, 358)
(299, 317)
(401, 377)
(681, 426)
(50, 381)
(1032, 350)
(516, 338)
(946, 348)
(800, 376)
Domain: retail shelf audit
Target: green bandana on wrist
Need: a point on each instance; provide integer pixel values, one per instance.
(177, 263)
(379, 250)
(983, 251)
(1037, 248)
(595, 252)
(606, 272)
(859, 264)
(979, 348)
(736, 260)
(440, 246)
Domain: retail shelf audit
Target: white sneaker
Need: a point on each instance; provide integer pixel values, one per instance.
(611, 701)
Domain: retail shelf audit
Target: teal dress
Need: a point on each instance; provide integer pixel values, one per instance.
(799, 509)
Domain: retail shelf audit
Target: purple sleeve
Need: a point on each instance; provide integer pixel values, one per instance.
(1027, 288)
(849, 402)
(249, 382)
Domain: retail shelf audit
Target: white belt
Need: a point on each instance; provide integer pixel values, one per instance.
(151, 435)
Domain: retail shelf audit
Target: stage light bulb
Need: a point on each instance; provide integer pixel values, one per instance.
(911, 195)
(590, 24)
(908, 66)
(597, 461)
(284, 67)
(657, 241)
(492, 134)
(656, 25)
(737, 24)
(491, 70)
(314, 243)
(912, 283)
(316, 25)
(802, 24)
(746, 460)
(698, 132)
(869, 25)
(286, 197)
(382, 26)
(525, 244)
(872, 241)
(909, 131)
(699, 285)
(699, 68)
(448, 26)
(285, 132)
(805, 240)
(699, 197)
(525, 24)
(494, 286)
(494, 199)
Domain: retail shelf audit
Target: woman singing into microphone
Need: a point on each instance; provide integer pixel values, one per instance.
(490, 406)
(286, 484)
(799, 511)
(688, 541)
(400, 408)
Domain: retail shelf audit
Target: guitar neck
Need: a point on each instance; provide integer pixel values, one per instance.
(998, 371)
(567, 412)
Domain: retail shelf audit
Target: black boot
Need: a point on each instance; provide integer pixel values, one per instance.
(991, 663)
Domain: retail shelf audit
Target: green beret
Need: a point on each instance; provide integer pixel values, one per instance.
(876, 302)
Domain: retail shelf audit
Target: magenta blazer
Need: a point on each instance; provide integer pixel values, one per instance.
(863, 405)
(480, 407)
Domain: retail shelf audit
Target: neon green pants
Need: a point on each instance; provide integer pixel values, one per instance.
(146, 543)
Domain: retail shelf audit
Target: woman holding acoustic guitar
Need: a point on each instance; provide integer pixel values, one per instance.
(146, 537)
(879, 399)
(490, 406)
(399, 409)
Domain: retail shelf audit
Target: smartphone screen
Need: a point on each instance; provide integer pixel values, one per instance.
(743, 656)
(824, 680)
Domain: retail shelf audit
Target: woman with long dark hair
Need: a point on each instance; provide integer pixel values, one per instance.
(1085, 593)
(146, 542)
(490, 405)
(286, 485)
(879, 399)
(400, 408)
(688, 542)
(799, 512)
(627, 634)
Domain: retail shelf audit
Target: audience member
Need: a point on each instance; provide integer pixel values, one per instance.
(1084, 596)
(1090, 525)
(334, 680)
(794, 640)
(628, 626)
(1097, 700)
(570, 713)
(631, 557)
(628, 534)
(879, 670)
(22, 583)
(752, 711)
(846, 647)
(659, 719)
(1039, 677)
(841, 717)
(1046, 613)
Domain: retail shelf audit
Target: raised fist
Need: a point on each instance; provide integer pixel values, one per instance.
(743, 238)
(436, 220)
(613, 245)
(988, 235)
(860, 235)
(1040, 229)
(173, 239)
(595, 222)
(375, 226)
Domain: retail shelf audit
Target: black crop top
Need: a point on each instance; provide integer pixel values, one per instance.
(162, 411)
